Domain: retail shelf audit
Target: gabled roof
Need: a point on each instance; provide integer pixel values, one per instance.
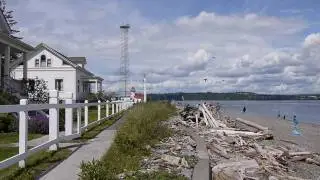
(64, 58)
(77, 60)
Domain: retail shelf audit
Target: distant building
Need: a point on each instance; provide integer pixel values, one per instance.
(65, 74)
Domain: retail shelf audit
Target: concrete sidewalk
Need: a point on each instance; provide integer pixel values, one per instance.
(95, 149)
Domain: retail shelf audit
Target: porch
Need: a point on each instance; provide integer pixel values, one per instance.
(92, 85)
(13, 52)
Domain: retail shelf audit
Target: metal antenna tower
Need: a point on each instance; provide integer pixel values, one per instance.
(124, 59)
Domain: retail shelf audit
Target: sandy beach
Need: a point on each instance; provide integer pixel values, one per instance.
(282, 130)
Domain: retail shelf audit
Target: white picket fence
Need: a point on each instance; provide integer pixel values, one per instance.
(54, 138)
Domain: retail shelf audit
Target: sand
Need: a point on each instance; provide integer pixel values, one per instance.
(282, 130)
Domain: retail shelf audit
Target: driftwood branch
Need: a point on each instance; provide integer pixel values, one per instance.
(252, 124)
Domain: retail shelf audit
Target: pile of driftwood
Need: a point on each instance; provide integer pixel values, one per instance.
(237, 149)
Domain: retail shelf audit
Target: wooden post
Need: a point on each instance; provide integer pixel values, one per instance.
(23, 132)
(197, 121)
(79, 120)
(99, 110)
(25, 66)
(68, 115)
(112, 104)
(86, 114)
(107, 109)
(117, 109)
(53, 119)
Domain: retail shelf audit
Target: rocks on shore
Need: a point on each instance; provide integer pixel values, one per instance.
(238, 148)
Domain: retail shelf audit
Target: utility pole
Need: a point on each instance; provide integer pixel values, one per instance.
(144, 89)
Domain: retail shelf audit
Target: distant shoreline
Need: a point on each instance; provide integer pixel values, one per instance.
(232, 96)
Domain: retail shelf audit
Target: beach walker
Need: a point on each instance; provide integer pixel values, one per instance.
(295, 130)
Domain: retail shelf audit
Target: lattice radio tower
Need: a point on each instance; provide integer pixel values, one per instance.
(124, 59)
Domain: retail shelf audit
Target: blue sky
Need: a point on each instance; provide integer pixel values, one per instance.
(262, 46)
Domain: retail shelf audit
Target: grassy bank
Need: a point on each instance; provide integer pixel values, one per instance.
(142, 127)
(96, 129)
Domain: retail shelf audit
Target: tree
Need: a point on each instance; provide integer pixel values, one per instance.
(37, 91)
(9, 17)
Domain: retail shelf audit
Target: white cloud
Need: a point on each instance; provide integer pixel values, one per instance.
(253, 52)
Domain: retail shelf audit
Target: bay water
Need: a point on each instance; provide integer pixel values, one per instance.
(305, 111)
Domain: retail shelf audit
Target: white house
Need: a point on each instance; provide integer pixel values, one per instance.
(65, 74)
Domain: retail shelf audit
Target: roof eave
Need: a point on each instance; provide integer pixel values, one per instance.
(15, 43)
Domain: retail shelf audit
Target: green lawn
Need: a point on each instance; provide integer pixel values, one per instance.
(35, 165)
(93, 114)
(13, 137)
(6, 152)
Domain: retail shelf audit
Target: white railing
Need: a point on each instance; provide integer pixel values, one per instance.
(54, 138)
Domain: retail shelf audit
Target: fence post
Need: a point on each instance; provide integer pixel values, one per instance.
(53, 119)
(86, 114)
(68, 115)
(99, 110)
(79, 120)
(23, 132)
(117, 107)
(112, 105)
(107, 109)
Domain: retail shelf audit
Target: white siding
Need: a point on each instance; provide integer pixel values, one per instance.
(49, 74)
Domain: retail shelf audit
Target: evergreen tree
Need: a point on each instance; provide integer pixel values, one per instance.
(9, 17)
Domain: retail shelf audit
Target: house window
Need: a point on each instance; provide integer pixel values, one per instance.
(36, 63)
(49, 62)
(59, 84)
(84, 87)
(43, 61)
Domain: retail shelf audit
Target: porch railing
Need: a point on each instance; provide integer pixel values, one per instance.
(54, 138)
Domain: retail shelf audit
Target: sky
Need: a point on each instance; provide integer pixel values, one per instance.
(237, 45)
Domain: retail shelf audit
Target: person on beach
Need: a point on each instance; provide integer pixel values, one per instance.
(295, 121)
(279, 114)
(244, 109)
(284, 117)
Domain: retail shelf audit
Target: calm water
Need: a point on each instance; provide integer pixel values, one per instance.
(306, 111)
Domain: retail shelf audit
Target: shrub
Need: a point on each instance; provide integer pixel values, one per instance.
(92, 170)
(5, 123)
(38, 124)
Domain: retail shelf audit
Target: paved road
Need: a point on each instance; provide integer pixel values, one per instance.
(95, 149)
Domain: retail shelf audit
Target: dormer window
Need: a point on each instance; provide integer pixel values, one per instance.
(36, 63)
(43, 61)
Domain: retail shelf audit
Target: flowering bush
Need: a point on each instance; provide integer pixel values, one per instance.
(38, 124)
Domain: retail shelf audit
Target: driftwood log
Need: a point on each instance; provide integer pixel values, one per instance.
(233, 170)
(252, 124)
